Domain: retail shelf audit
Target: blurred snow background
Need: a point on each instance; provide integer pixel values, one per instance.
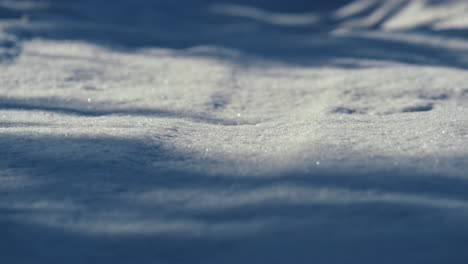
(239, 131)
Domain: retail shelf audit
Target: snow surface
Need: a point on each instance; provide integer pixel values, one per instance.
(234, 132)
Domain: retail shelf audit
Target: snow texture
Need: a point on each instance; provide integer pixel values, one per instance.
(234, 132)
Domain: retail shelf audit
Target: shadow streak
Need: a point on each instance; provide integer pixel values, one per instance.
(59, 106)
(131, 26)
(102, 177)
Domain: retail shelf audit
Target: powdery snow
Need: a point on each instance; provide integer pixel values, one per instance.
(248, 132)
